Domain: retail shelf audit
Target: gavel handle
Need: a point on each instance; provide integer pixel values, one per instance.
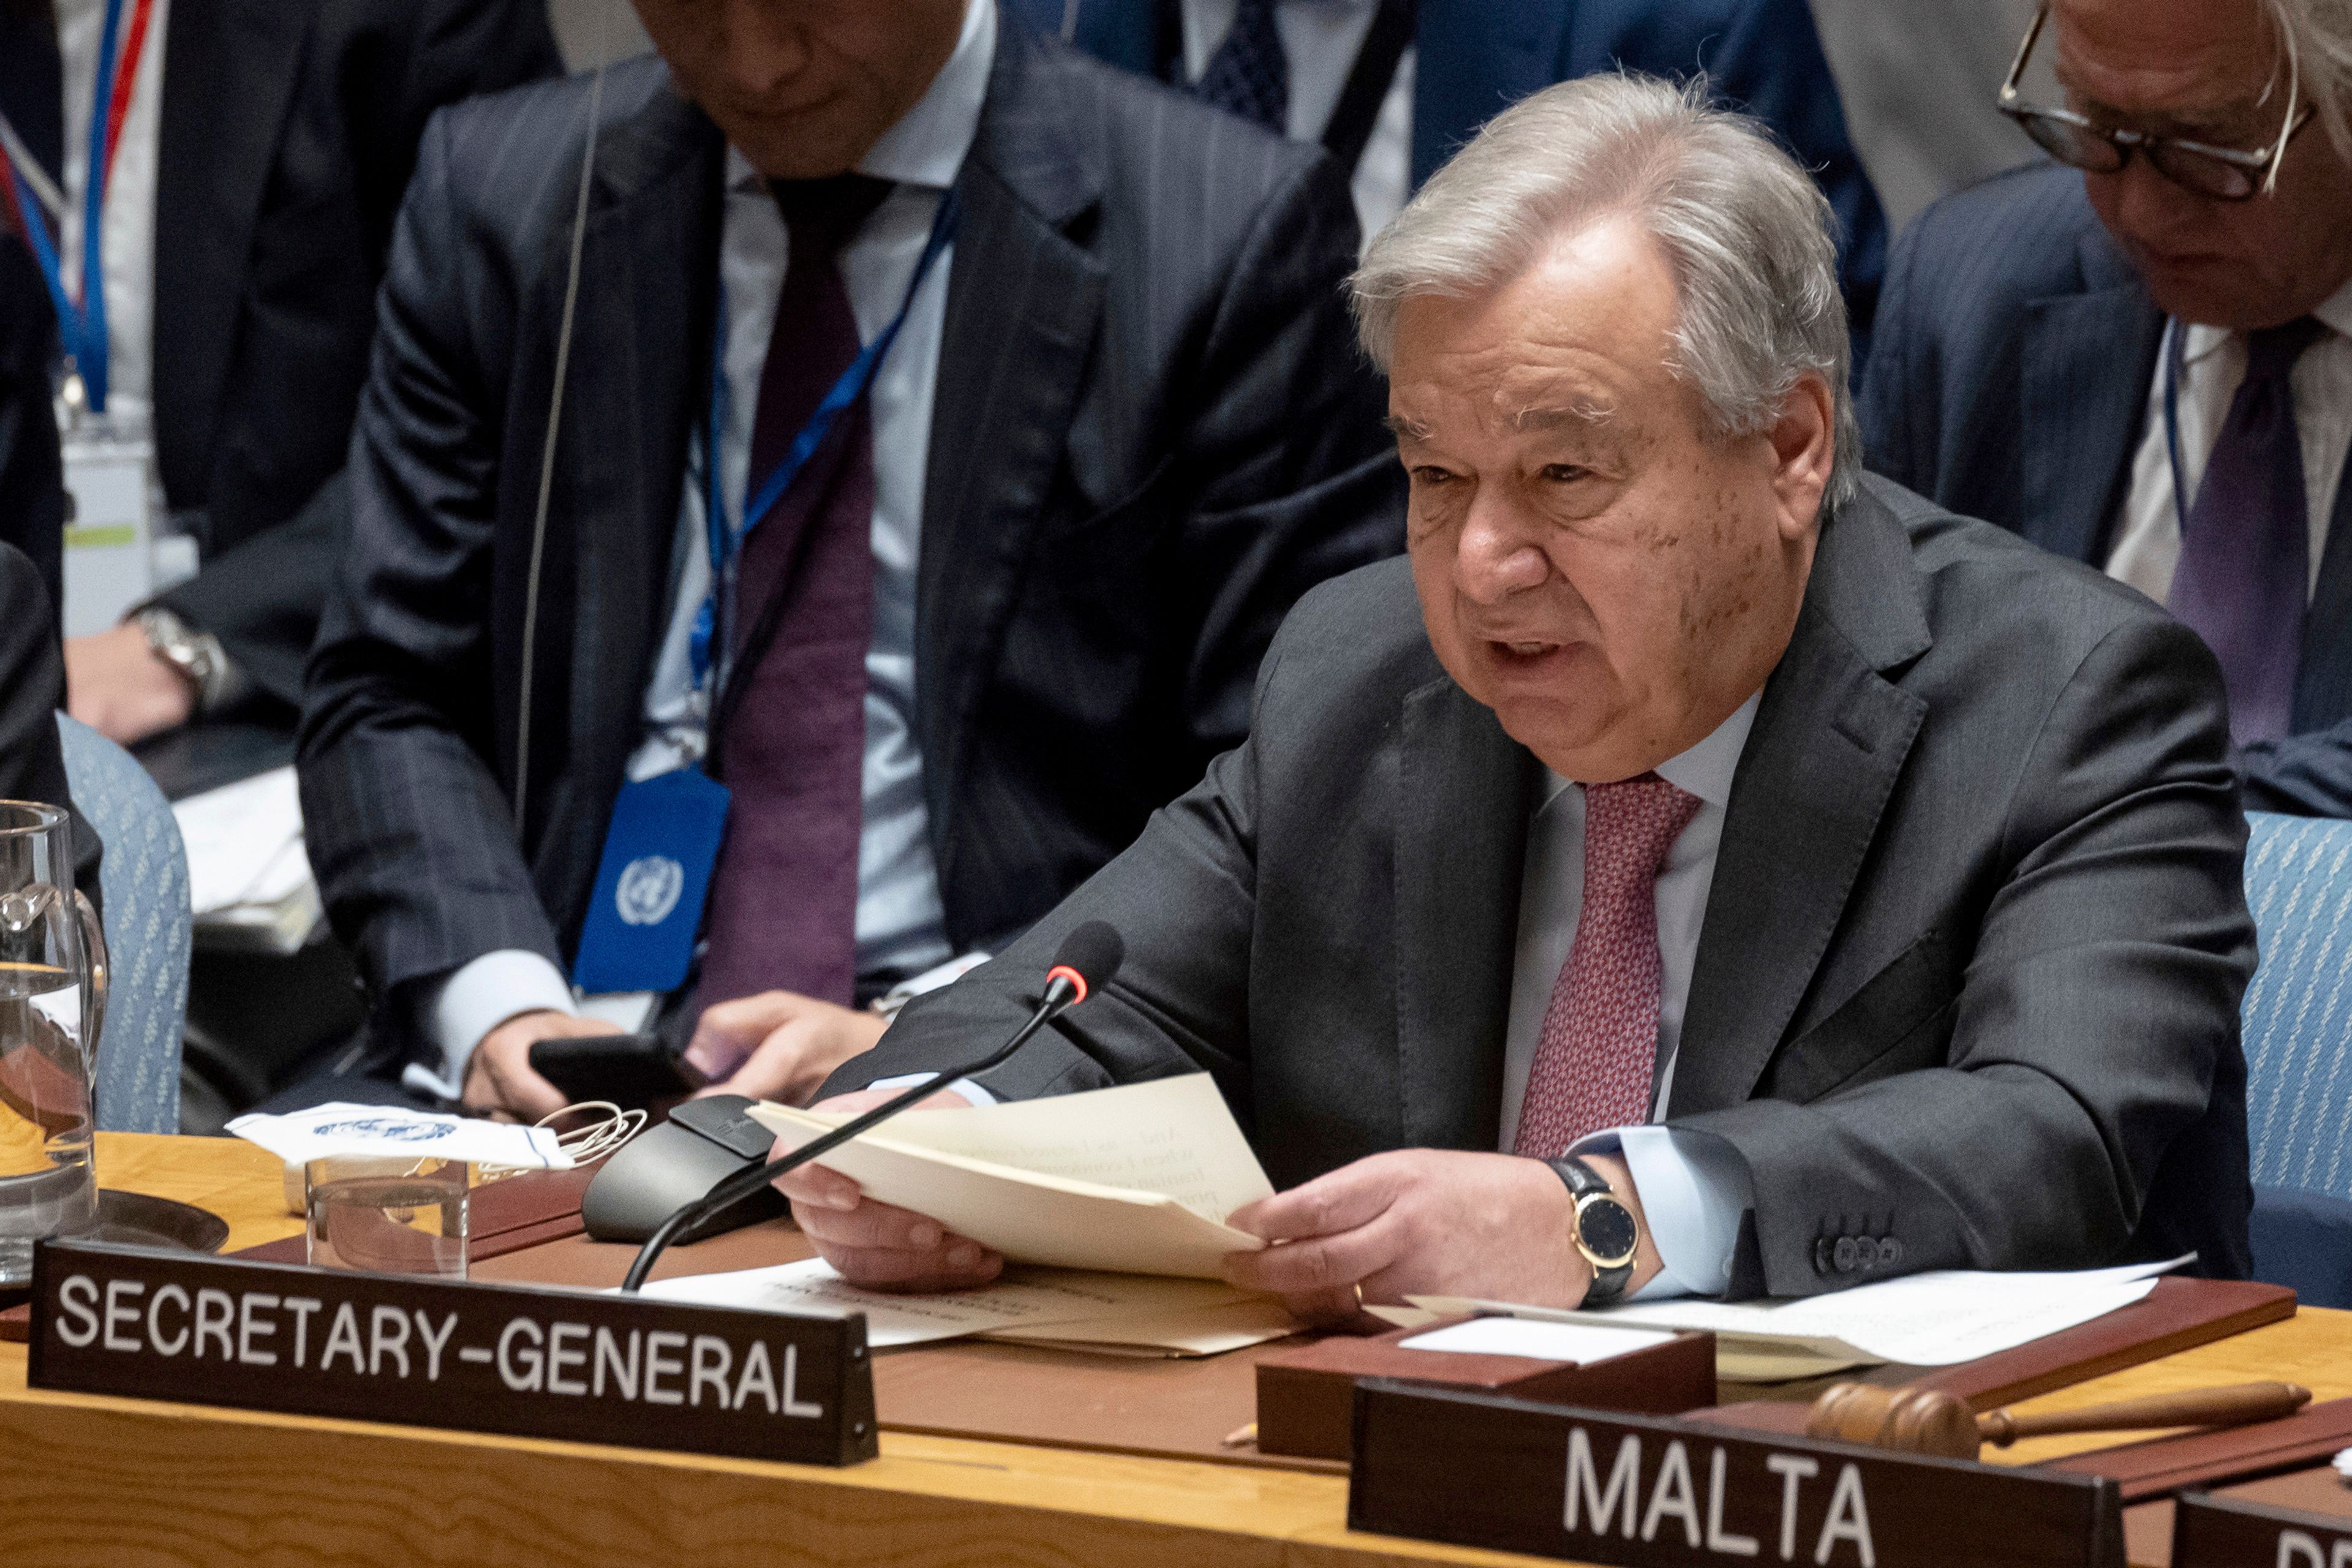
(2233, 1406)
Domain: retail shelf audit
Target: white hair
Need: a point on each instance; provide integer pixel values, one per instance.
(1748, 236)
(2316, 36)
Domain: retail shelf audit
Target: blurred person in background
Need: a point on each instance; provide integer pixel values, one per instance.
(2140, 353)
(250, 157)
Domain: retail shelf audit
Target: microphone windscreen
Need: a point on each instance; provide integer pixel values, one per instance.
(1095, 950)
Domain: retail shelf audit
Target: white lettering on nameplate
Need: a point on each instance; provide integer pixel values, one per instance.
(385, 1344)
(1631, 1500)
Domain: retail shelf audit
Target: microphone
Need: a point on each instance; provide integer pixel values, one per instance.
(1084, 963)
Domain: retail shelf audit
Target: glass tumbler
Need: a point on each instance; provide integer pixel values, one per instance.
(387, 1214)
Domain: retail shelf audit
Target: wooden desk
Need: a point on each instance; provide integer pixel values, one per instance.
(130, 1483)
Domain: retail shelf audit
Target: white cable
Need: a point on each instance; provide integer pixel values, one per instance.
(547, 455)
(587, 1144)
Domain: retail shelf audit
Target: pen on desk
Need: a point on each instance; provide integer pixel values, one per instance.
(1239, 1436)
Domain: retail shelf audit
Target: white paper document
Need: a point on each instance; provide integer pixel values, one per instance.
(249, 880)
(1936, 1318)
(1042, 1305)
(1582, 1344)
(1135, 1179)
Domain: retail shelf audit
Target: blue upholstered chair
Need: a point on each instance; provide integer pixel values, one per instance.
(2298, 1038)
(145, 876)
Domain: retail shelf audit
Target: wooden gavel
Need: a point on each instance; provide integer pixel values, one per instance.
(1927, 1421)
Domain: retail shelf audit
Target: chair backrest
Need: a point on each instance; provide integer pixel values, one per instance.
(2298, 1011)
(145, 876)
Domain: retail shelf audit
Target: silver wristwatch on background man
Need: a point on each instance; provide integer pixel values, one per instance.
(196, 655)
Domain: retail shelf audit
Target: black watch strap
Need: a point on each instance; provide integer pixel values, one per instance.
(1583, 1182)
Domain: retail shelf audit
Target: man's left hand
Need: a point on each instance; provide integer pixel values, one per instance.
(1426, 1222)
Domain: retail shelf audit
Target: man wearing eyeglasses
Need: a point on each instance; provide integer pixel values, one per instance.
(2146, 364)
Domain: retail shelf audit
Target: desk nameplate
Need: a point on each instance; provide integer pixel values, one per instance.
(515, 1360)
(2210, 1531)
(1476, 1470)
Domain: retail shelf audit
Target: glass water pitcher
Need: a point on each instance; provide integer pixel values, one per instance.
(52, 1003)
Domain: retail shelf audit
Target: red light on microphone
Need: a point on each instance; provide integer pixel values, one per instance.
(1077, 981)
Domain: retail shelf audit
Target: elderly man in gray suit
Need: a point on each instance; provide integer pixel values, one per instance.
(1739, 876)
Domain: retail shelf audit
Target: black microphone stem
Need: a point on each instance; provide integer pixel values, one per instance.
(1059, 994)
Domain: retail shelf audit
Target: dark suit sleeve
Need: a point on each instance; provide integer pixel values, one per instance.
(32, 479)
(32, 689)
(2302, 776)
(408, 831)
(2095, 1016)
(1302, 483)
(262, 599)
(1768, 60)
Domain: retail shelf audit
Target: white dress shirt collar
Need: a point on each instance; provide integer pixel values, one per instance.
(2334, 313)
(926, 145)
(1706, 770)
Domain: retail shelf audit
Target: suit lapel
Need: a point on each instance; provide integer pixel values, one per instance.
(229, 70)
(1829, 739)
(1464, 790)
(2082, 420)
(2323, 685)
(1023, 303)
(1473, 59)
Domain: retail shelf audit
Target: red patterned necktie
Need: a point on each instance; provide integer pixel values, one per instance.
(1598, 1052)
(791, 750)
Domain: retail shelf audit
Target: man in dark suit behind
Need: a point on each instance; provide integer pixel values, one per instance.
(1147, 433)
(279, 136)
(1392, 87)
(2035, 328)
(1796, 882)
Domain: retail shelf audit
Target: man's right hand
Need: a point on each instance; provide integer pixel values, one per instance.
(499, 1076)
(875, 1245)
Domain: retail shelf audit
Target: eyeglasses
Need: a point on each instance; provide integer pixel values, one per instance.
(2221, 173)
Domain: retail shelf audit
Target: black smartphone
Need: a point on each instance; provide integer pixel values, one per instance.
(631, 1070)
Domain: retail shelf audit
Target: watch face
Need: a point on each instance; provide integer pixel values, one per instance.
(1605, 1228)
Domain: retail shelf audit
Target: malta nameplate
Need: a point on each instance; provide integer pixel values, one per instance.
(510, 1358)
(1654, 1492)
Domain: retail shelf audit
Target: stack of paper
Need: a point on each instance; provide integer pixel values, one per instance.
(1938, 1319)
(1131, 1180)
(1128, 1314)
(248, 876)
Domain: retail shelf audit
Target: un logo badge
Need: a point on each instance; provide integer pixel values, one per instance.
(648, 890)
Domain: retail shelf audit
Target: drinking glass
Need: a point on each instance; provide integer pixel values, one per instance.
(387, 1214)
(52, 1003)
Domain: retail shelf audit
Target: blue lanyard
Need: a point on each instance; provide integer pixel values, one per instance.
(2173, 357)
(726, 546)
(82, 330)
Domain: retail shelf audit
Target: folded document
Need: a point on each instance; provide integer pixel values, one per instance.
(1938, 1319)
(1120, 1313)
(1131, 1180)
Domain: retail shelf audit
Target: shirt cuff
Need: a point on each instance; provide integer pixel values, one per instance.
(932, 979)
(481, 994)
(962, 1086)
(1693, 1187)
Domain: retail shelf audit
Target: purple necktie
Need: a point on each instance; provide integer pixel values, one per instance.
(2245, 546)
(790, 743)
(1250, 74)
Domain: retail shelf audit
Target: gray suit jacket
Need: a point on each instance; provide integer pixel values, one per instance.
(1969, 978)
(1152, 434)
